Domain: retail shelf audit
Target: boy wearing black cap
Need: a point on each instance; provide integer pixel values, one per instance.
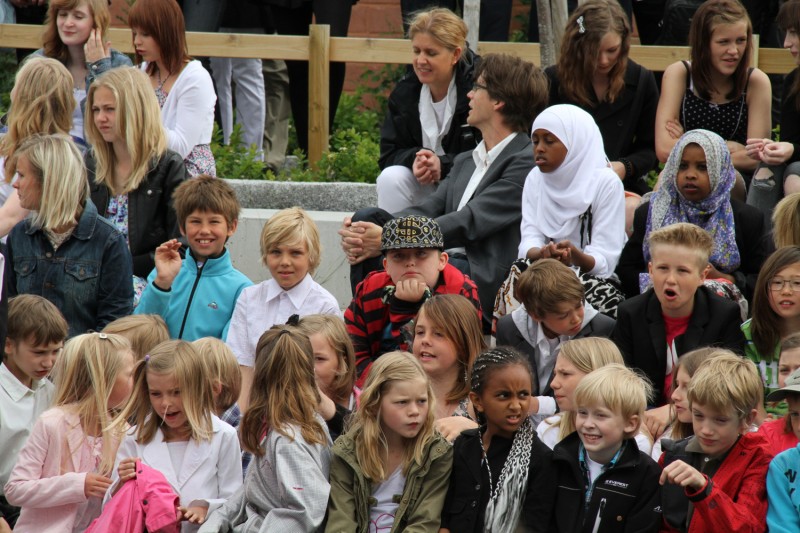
(415, 268)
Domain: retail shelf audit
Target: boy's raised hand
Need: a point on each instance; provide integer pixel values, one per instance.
(96, 485)
(680, 473)
(168, 263)
(410, 290)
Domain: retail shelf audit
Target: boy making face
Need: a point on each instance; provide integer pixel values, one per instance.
(677, 270)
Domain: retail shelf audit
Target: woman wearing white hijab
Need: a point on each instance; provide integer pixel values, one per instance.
(573, 204)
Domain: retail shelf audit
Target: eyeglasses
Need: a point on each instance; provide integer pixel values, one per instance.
(477, 86)
(777, 284)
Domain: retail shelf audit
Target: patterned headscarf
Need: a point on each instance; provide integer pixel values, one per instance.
(714, 213)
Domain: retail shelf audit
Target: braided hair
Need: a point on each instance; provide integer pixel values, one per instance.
(489, 362)
(506, 499)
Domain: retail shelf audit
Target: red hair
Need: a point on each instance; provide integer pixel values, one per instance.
(163, 21)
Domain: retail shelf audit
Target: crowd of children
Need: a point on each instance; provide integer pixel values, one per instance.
(220, 405)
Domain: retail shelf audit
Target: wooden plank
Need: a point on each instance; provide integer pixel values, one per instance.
(365, 50)
(319, 74)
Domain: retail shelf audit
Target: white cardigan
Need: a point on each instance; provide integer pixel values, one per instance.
(211, 471)
(188, 112)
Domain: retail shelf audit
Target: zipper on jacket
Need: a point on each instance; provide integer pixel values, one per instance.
(599, 516)
(191, 295)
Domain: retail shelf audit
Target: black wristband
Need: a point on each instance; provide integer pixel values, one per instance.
(628, 167)
(159, 288)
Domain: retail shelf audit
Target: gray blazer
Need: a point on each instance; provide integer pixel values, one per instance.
(488, 226)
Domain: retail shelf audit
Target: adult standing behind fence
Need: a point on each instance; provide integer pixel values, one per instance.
(426, 119)
(293, 17)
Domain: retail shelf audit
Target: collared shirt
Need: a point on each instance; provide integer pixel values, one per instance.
(19, 409)
(262, 306)
(483, 160)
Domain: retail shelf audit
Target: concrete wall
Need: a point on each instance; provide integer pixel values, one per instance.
(333, 272)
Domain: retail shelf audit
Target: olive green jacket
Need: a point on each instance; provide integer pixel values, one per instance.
(420, 505)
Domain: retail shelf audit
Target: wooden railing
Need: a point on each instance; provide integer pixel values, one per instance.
(319, 49)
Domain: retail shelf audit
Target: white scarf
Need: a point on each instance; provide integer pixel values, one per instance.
(432, 133)
(563, 195)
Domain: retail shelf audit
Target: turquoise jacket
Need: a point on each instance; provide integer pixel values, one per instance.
(783, 491)
(201, 300)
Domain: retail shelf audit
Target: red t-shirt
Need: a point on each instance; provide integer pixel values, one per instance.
(674, 327)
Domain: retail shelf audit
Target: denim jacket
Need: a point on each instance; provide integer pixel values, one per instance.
(89, 277)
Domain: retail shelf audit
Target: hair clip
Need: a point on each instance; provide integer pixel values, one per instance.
(147, 358)
(102, 335)
(581, 27)
(294, 320)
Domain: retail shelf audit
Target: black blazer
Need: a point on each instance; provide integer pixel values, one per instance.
(463, 512)
(401, 133)
(752, 239)
(151, 217)
(508, 334)
(641, 336)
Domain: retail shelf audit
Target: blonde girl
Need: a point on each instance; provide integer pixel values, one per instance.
(681, 425)
(447, 339)
(132, 174)
(41, 102)
(577, 358)
(776, 314)
(334, 358)
(177, 432)
(144, 332)
(390, 448)
(226, 376)
(502, 466)
(63, 470)
(286, 488)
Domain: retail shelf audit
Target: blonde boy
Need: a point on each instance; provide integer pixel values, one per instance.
(291, 250)
(678, 314)
(36, 333)
(716, 479)
(623, 491)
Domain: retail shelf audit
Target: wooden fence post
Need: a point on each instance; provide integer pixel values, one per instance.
(319, 75)
(472, 17)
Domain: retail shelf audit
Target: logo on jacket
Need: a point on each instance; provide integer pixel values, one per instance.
(213, 305)
(618, 484)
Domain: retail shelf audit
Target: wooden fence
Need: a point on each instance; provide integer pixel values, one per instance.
(319, 49)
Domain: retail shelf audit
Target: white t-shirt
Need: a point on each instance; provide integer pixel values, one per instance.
(387, 496)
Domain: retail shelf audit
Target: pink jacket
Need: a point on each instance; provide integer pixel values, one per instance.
(147, 501)
(48, 479)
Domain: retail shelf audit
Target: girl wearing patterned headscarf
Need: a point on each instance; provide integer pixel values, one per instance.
(573, 204)
(695, 188)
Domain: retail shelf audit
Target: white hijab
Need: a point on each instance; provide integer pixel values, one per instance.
(562, 196)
